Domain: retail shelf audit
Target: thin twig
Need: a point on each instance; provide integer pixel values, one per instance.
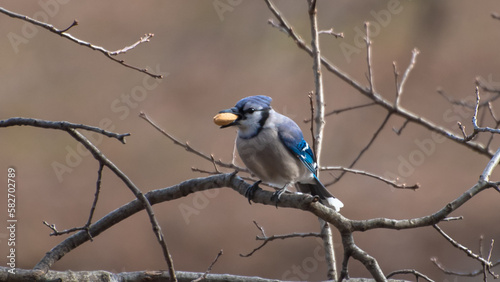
(465, 274)
(400, 85)
(62, 33)
(267, 239)
(86, 227)
(213, 162)
(331, 32)
(452, 218)
(410, 67)
(339, 111)
(496, 276)
(459, 246)
(311, 105)
(143, 39)
(96, 197)
(209, 268)
(400, 130)
(188, 147)
(397, 83)
(369, 57)
(361, 172)
(410, 271)
(56, 232)
(365, 149)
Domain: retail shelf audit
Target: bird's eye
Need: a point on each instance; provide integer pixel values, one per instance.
(250, 111)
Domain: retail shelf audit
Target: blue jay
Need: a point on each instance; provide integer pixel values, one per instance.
(273, 148)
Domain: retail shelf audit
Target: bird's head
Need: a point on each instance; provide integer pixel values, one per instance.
(249, 113)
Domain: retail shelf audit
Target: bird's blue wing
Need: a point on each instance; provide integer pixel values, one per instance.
(293, 139)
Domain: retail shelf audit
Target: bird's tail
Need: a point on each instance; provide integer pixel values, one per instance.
(318, 189)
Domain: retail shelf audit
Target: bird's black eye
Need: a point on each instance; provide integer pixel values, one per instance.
(249, 111)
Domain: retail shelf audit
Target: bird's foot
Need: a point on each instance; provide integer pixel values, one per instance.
(276, 195)
(250, 192)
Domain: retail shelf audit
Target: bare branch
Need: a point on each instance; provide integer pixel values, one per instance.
(327, 238)
(278, 26)
(400, 130)
(365, 149)
(108, 54)
(101, 275)
(335, 112)
(61, 125)
(461, 247)
(45, 264)
(410, 271)
(52, 227)
(331, 32)
(311, 105)
(374, 96)
(456, 273)
(393, 183)
(267, 239)
(188, 147)
(410, 67)
(291, 200)
(56, 232)
(369, 57)
(397, 84)
(143, 39)
(75, 23)
(454, 101)
(319, 118)
(204, 276)
(452, 218)
(352, 250)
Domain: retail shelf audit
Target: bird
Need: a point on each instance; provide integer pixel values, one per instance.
(272, 147)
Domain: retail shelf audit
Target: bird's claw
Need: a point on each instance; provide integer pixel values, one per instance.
(250, 192)
(276, 196)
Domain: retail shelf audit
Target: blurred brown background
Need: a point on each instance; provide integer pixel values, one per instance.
(213, 58)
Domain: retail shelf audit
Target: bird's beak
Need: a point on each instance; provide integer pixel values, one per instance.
(226, 118)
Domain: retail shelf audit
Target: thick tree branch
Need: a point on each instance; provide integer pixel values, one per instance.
(22, 275)
(298, 201)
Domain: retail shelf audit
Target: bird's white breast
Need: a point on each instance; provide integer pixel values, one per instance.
(267, 158)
